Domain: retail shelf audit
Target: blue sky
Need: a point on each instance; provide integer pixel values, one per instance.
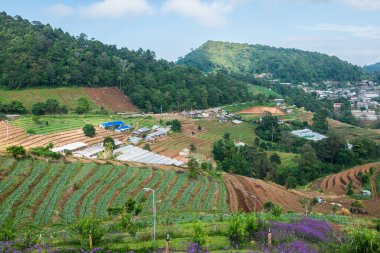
(349, 29)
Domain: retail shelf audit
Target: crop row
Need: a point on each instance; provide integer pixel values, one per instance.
(21, 168)
(187, 196)
(23, 212)
(122, 196)
(6, 163)
(169, 177)
(165, 205)
(198, 198)
(46, 210)
(7, 204)
(89, 200)
(208, 203)
(101, 206)
(69, 209)
(157, 175)
(222, 200)
(83, 172)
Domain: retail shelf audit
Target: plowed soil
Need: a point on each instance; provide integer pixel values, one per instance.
(243, 192)
(259, 110)
(337, 183)
(111, 98)
(18, 136)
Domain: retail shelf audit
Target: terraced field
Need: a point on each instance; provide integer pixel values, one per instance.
(337, 183)
(18, 136)
(33, 191)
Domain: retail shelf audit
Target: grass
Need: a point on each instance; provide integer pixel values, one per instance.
(59, 123)
(255, 89)
(215, 131)
(287, 159)
(378, 183)
(65, 96)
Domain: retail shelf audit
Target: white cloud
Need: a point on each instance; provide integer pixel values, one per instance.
(368, 32)
(60, 10)
(364, 4)
(105, 8)
(207, 13)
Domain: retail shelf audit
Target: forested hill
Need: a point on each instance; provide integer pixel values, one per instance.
(36, 55)
(372, 69)
(286, 64)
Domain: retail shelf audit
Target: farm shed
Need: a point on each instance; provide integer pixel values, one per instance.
(123, 129)
(134, 140)
(135, 154)
(112, 124)
(90, 152)
(160, 132)
(309, 135)
(70, 147)
(141, 130)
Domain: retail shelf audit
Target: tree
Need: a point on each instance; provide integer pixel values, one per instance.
(93, 225)
(109, 140)
(320, 121)
(175, 125)
(16, 151)
(83, 105)
(275, 159)
(38, 109)
(308, 204)
(89, 130)
(193, 148)
(193, 166)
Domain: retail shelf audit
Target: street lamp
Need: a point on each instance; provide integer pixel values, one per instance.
(154, 216)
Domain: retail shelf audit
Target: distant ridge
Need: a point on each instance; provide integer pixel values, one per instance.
(372, 69)
(285, 64)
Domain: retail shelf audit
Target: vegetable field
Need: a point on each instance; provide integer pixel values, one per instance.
(33, 191)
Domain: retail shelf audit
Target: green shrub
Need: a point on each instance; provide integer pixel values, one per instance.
(199, 235)
(357, 203)
(276, 211)
(89, 130)
(236, 232)
(92, 225)
(365, 240)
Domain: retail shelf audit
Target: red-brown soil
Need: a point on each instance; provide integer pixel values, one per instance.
(259, 110)
(111, 98)
(243, 192)
(337, 183)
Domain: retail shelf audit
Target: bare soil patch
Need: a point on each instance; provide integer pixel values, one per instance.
(259, 110)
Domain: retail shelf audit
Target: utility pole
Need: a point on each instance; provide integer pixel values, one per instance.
(154, 216)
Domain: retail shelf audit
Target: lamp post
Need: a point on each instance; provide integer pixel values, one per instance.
(154, 216)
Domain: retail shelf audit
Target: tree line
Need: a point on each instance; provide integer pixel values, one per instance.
(37, 55)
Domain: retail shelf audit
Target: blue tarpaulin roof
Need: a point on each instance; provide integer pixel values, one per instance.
(112, 124)
(123, 128)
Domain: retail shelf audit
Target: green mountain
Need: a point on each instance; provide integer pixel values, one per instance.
(285, 64)
(372, 69)
(36, 55)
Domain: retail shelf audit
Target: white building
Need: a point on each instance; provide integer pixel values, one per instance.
(309, 135)
(69, 147)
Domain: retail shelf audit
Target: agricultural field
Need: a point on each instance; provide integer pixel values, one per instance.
(110, 98)
(40, 193)
(255, 89)
(48, 124)
(66, 96)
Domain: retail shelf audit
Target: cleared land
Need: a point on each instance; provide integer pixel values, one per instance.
(337, 183)
(41, 193)
(255, 89)
(242, 192)
(57, 123)
(259, 110)
(65, 96)
(18, 136)
(111, 98)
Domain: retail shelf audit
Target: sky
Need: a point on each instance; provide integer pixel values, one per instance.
(349, 29)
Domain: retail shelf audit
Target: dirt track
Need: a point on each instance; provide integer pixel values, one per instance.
(259, 110)
(111, 98)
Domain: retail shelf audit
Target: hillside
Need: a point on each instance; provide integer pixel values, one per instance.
(286, 64)
(371, 69)
(109, 97)
(37, 55)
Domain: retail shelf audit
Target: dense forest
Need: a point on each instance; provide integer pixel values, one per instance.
(372, 69)
(36, 55)
(290, 65)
